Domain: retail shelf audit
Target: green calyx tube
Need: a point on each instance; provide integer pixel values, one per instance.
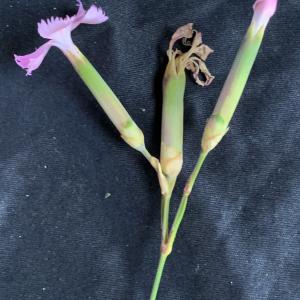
(174, 82)
(112, 106)
(172, 122)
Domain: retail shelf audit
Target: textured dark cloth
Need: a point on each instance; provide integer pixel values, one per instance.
(63, 238)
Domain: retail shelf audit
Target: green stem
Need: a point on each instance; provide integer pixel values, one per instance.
(157, 167)
(182, 207)
(165, 209)
(149, 157)
(159, 272)
(167, 247)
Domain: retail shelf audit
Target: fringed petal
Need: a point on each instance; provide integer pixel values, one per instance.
(81, 10)
(53, 27)
(94, 15)
(58, 31)
(32, 61)
(49, 28)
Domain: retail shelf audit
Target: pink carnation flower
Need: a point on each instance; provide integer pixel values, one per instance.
(58, 32)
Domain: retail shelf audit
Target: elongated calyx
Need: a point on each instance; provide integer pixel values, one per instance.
(217, 124)
(193, 59)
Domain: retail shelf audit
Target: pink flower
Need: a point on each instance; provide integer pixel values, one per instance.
(58, 31)
(263, 11)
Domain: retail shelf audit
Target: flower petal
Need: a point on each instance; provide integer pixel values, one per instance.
(58, 31)
(32, 61)
(94, 15)
(81, 10)
(267, 7)
(51, 28)
(203, 51)
(183, 32)
(47, 29)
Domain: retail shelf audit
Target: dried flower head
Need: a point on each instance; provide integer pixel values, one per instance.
(193, 59)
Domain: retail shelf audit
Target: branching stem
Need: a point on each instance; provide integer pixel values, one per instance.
(167, 247)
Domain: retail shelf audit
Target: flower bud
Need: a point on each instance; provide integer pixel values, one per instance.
(217, 125)
(263, 11)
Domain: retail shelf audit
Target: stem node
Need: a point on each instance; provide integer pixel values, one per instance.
(166, 249)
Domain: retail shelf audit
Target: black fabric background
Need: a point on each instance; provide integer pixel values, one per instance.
(59, 156)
